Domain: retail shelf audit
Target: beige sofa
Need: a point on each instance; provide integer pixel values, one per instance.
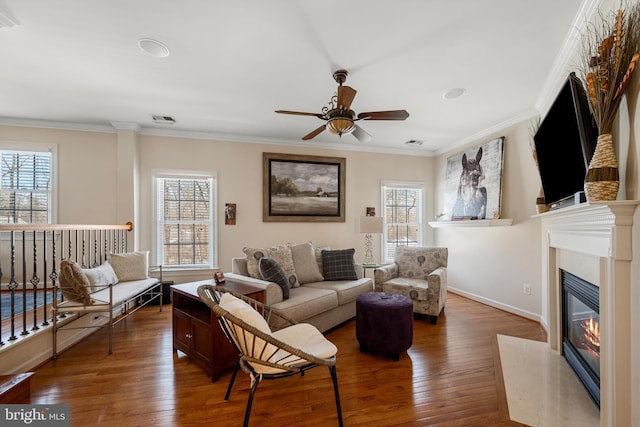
(322, 303)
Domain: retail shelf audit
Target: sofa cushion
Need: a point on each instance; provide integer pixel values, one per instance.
(130, 265)
(339, 264)
(101, 275)
(305, 263)
(347, 290)
(281, 254)
(271, 272)
(74, 284)
(305, 302)
(416, 289)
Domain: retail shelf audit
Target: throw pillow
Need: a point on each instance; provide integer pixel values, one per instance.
(101, 275)
(271, 272)
(281, 254)
(339, 265)
(130, 265)
(318, 252)
(74, 284)
(305, 263)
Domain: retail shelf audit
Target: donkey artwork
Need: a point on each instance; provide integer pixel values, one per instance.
(471, 199)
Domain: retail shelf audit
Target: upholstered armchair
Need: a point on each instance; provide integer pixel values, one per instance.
(419, 273)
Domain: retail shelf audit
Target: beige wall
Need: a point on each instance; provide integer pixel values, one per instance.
(238, 168)
(491, 264)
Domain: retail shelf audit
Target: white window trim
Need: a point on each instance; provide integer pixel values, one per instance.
(421, 220)
(6, 145)
(170, 173)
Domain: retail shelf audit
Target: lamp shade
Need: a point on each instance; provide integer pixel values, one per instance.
(369, 224)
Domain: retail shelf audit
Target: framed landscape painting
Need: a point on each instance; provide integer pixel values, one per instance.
(473, 184)
(299, 188)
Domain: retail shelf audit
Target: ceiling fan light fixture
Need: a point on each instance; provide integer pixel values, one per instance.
(340, 125)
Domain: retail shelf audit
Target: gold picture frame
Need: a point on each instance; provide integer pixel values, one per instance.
(299, 188)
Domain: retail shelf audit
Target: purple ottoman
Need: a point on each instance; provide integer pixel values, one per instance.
(384, 323)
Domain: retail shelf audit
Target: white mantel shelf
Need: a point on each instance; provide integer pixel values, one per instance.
(472, 223)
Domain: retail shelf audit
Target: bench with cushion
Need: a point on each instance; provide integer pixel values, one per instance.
(114, 288)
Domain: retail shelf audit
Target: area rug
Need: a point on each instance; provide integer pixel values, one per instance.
(5, 303)
(541, 388)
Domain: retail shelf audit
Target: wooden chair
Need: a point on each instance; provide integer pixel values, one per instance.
(265, 354)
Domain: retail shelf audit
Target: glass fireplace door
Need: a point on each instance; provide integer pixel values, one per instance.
(581, 331)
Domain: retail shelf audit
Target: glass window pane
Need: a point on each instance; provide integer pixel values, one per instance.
(403, 226)
(25, 186)
(188, 219)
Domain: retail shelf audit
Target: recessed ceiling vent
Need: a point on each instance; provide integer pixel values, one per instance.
(414, 143)
(163, 120)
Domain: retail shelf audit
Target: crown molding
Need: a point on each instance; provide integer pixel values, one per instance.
(562, 65)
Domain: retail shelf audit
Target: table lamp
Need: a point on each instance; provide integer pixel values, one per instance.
(369, 225)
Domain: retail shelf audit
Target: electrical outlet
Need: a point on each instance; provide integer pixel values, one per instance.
(526, 289)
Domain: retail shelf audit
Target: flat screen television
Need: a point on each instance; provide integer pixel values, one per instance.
(565, 142)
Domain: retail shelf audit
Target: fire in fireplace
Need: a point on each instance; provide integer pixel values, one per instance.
(581, 330)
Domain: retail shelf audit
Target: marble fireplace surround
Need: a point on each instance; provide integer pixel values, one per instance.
(593, 241)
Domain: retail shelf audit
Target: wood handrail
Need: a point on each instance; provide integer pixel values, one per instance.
(53, 227)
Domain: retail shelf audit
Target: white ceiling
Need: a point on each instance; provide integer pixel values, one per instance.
(233, 63)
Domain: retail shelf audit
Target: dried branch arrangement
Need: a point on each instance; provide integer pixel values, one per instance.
(611, 51)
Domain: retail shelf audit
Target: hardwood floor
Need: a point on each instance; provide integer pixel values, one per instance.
(449, 377)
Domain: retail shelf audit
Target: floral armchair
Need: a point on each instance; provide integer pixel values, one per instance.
(419, 273)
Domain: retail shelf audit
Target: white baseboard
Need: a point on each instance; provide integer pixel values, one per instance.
(496, 304)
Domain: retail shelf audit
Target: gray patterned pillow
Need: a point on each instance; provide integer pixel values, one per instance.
(281, 254)
(339, 265)
(271, 272)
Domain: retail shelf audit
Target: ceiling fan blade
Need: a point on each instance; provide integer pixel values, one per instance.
(384, 115)
(300, 113)
(345, 96)
(314, 133)
(361, 134)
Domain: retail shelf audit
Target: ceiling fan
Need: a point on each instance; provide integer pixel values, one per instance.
(340, 118)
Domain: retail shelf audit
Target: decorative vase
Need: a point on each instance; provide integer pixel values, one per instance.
(541, 206)
(603, 179)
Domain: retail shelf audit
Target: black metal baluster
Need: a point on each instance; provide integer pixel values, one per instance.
(83, 245)
(13, 285)
(35, 280)
(44, 276)
(54, 271)
(24, 284)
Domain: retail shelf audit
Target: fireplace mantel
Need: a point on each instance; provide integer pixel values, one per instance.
(594, 241)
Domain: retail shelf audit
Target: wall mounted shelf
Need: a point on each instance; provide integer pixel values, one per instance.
(472, 223)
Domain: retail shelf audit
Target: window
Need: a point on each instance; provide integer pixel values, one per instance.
(402, 204)
(185, 227)
(25, 187)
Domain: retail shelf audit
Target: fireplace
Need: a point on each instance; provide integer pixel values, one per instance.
(581, 330)
(594, 241)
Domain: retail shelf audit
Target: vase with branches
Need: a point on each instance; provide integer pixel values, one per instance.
(610, 53)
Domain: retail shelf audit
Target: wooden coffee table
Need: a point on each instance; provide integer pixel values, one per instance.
(196, 331)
